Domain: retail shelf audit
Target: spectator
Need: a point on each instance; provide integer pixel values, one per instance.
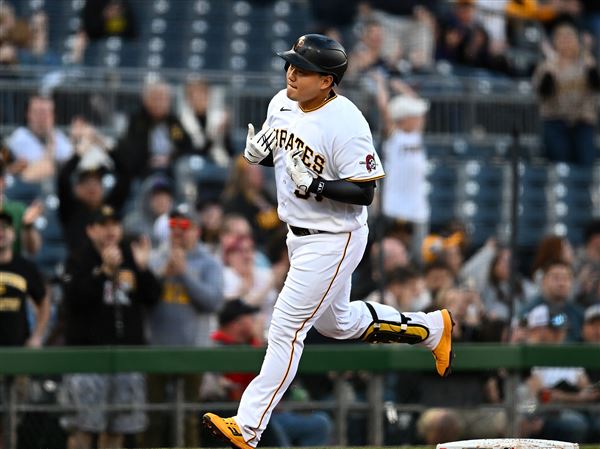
(496, 291)
(192, 292)
(192, 286)
(155, 138)
(403, 291)
(211, 223)
(234, 227)
(202, 114)
(549, 249)
(463, 40)
(493, 17)
(383, 258)
(20, 282)
(488, 273)
(368, 53)
(81, 191)
(531, 9)
(557, 283)
(438, 276)
(153, 204)
(14, 34)
(28, 239)
(37, 51)
(405, 189)
(589, 254)
(447, 249)
(567, 83)
(247, 195)
(39, 146)
(587, 266)
(244, 279)
(591, 325)
(105, 18)
(408, 26)
(438, 425)
(466, 305)
(107, 284)
(591, 335)
(557, 384)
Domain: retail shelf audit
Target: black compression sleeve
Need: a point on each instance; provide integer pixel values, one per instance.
(268, 161)
(360, 193)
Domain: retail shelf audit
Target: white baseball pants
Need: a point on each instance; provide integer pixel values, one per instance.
(316, 293)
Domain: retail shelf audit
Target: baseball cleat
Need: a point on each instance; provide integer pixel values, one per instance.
(443, 351)
(226, 429)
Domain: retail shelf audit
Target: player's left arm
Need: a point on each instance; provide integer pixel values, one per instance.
(345, 191)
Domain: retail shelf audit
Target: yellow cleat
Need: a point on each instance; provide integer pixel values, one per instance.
(226, 429)
(443, 351)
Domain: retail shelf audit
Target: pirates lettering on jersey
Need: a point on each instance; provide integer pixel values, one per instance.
(288, 142)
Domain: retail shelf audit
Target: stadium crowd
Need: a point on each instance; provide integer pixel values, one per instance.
(145, 266)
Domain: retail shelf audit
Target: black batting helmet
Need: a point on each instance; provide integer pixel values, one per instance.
(317, 53)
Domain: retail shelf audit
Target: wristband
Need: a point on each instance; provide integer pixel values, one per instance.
(317, 186)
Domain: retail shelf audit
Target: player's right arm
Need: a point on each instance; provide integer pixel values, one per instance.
(259, 145)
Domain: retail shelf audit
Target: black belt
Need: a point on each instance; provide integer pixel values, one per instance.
(300, 232)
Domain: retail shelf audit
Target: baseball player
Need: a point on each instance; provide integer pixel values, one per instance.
(326, 166)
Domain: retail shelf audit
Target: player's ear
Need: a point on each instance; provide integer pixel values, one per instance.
(326, 81)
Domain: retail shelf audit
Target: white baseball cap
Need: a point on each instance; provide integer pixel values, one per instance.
(403, 106)
(540, 316)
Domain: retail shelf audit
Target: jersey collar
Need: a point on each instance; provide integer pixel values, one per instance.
(332, 96)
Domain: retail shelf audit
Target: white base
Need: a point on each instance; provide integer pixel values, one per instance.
(508, 443)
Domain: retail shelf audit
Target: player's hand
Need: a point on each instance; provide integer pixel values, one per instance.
(260, 145)
(297, 170)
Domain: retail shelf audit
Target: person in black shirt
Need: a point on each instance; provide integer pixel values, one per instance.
(20, 280)
(155, 138)
(107, 285)
(81, 194)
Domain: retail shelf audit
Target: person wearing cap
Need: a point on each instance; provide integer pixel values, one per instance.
(191, 294)
(81, 190)
(405, 190)
(107, 287)
(591, 324)
(20, 280)
(548, 325)
(154, 200)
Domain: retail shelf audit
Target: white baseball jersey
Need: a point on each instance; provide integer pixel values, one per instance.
(337, 144)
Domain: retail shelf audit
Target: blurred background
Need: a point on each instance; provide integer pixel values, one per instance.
(122, 123)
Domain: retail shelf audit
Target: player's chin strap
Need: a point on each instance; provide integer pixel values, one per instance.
(393, 331)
